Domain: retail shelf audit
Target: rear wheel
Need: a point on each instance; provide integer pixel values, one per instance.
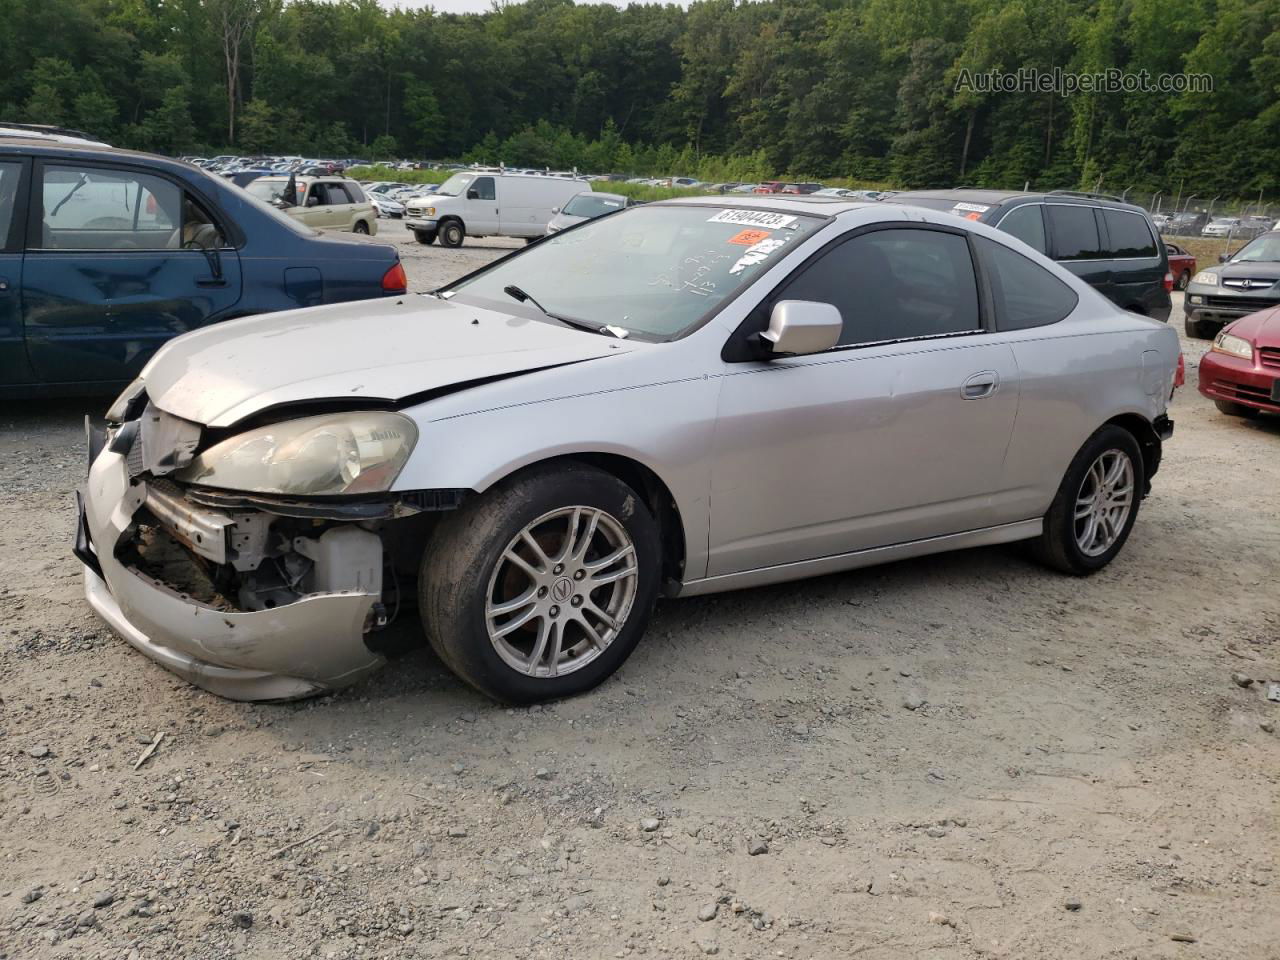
(542, 587)
(425, 236)
(1198, 329)
(1096, 505)
(1183, 279)
(452, 233)
(1236, 409)
(361, 227)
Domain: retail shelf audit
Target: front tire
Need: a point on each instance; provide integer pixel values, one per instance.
(1236, 409)
(542, 587)
(452, 233)
(1198, 329)
(426, 237)
(1096, 505)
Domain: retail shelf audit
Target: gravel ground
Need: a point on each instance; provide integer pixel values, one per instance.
(955, 757)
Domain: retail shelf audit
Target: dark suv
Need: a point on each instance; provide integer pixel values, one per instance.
(106, 254)
(1112, 246)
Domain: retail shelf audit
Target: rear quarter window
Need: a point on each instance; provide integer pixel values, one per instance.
(1025, 294)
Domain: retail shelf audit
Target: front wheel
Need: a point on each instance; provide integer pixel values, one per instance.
(1096, 505)
(427, 237)
(1236, 409)
(1183, 279)
(1198, 329)
(452, 233)
(542, 587)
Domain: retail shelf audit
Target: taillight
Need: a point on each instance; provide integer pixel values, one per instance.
(1180, 375)
(394, 280)
(1168, 280)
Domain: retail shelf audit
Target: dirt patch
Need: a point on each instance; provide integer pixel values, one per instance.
(959, 756)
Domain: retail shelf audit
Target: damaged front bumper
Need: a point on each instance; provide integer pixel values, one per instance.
(272, 643)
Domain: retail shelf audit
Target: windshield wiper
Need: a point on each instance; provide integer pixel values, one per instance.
(515, 293)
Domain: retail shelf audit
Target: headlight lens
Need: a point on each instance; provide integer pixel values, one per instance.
(1235, 346)
(1205, 277)
(360, 452)
(431, 211)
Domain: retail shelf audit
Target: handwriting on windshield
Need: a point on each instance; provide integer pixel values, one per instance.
(693, 274)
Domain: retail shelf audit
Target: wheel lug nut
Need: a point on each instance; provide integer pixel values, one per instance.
(554, 611)
(576, 601)
(542, 591)
(559, 568)
(579, 574)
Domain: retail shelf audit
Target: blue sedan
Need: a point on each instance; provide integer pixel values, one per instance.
(105, 254)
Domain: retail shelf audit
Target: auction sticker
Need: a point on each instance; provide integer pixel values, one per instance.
(753, 218)
(971, 207)
(749, 238)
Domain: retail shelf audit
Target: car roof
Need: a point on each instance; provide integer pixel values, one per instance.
(46, 147)
(810, 204)
(995, 198)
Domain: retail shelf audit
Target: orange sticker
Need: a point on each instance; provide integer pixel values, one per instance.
(749, 238)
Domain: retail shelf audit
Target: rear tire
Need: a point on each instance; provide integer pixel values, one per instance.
(1198, 329)
(426, 237)
(452, 233)
(503, 557)
(1085, 527)
(1236, 409)
(1183, 279)
(361, 227)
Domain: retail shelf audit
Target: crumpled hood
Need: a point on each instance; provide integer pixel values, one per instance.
(386, 349)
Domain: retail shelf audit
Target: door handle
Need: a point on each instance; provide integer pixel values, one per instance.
(983, 384)
(211, 282)
(4, 284)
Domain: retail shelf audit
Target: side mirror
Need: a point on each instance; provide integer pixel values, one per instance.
(313, 201)
(798, 327)
(555, 209)
(1223, 258)
(473, 194)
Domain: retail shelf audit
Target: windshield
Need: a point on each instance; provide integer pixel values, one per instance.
(1264, 249)
(456, 185)
(653, 270)
(592, 205)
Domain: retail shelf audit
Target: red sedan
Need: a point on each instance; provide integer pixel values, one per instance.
(1241, 373)
(1181, 264)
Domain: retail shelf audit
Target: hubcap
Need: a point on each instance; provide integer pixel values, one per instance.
(1104, 502)
(561, 592)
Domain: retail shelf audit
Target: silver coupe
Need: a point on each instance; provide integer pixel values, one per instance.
(674, 399)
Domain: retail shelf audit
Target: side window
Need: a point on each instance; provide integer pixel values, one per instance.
(199, 230)
(1025, 295)
(102, 209)
(10, 175)
(894, 285)
(354, 192)
(485, 187)
(1130, 235)
(1075, 232)
(1027, 224)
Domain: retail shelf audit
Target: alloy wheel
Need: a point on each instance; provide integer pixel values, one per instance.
(1104, 502)
(561, 591)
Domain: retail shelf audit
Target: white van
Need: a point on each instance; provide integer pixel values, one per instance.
(488, 205)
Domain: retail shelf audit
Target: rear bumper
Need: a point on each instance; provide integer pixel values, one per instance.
(291, 651)
(1237, 380)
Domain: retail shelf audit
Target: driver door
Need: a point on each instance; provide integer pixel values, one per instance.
(106, 278)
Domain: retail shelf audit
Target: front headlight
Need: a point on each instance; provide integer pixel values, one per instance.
(431, 211)
(359, 452)
(1205, 277)
(1233, 346)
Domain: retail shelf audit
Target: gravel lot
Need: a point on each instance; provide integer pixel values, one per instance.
(953, 757)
